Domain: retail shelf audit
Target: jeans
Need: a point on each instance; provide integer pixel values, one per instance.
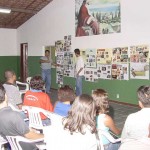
(46, 75)
(79, 85)
(112, 146)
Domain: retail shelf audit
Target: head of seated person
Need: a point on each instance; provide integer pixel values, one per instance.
(81, 115)
(36, 83)
(144, 96)
(10, 76)
(66, 94)
(66, 97)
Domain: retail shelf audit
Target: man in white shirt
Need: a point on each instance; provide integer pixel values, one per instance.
(79, 72)
(136, 127)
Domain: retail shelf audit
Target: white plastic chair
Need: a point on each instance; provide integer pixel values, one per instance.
(28, 80)
(35, 120)
(15, 145)
(13, 108)
(2, 142)
(26, 85)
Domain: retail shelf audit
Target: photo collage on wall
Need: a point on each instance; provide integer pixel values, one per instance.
(104, 56)
(59, 69)
(120, 63)
(103, 71)
(139, 62)
(106, 63)
(64, 59)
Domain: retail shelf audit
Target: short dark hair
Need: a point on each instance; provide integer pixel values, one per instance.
(143, 93)
(37, 83)
(77, 51)
(8, 74)
(47, 51)
(66, 93)
(2, 93)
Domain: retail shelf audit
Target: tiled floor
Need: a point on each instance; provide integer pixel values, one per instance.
(118, 112)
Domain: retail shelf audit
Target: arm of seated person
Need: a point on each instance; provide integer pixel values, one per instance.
(31, 135)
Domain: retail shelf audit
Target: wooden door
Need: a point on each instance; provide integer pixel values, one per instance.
(23, 62)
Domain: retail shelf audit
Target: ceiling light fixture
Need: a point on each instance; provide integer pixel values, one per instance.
(2, 10)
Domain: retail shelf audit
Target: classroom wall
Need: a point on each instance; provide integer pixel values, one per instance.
(8, 51)
(8, 42)
(58, 19)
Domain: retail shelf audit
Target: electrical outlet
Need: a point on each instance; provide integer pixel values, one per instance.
(117, 95)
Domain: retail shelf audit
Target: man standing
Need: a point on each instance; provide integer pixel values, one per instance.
(12, 124)
(46, 63)
(79, 72)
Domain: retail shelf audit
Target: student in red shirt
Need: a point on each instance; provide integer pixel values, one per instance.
(36, 98)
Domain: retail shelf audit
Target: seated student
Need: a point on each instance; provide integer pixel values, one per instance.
(104, 121)
(12, 91)
(12, 124)
(66, 95)
(77, 130)
(136, 125)
(36, 98)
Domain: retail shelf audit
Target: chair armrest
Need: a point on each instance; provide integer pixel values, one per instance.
(109, 136)
(25, 84)
(23, 139)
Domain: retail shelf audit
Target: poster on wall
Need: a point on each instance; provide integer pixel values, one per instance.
(91, 58)
(120, 71)
(97, 17)
(59, 69)
(139, 54)
(59, 46)
(120, 55)
(104, 71)
(67, 43)
(90, 74)
(104, 56)
(59, 75)
(68, 64)
(139, 71)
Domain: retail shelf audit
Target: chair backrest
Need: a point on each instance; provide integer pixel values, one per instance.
(14, 143)
(28, 80)
(25, 85)
(2, 142)
(35, 120)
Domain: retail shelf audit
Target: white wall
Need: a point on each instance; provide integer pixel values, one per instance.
(8, 42)
(58, 19)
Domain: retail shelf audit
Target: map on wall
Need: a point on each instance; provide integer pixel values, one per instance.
(94, 17)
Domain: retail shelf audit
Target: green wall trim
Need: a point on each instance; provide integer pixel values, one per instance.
(9, 62)
(125, 89)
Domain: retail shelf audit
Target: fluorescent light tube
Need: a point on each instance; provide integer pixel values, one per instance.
(2, 10)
